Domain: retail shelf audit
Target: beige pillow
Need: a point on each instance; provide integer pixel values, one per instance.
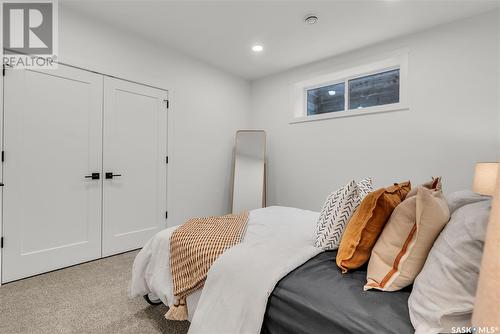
(401, 250)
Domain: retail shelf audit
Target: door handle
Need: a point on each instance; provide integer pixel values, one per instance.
(93, 176)
(110, 175)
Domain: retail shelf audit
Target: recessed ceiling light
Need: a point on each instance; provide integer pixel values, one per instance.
(311, 19)
(331, 92)
(257, 48)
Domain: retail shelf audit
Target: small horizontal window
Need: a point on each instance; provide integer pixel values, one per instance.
(374, 90)
(368, 91)
(375, 87)
(326, 99)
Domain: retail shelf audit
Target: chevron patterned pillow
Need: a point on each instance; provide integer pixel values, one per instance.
(336, 212)
(364, 187)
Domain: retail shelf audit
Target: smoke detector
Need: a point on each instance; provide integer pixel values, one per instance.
(311, 19)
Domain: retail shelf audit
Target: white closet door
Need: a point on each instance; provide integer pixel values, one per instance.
(53, 136)
(135, 148)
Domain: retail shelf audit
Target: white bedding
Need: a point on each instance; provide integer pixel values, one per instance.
(151, 272)
(234, 299)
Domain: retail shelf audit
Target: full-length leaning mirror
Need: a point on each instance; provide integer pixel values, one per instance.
(249, 183)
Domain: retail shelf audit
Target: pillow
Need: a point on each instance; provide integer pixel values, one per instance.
(434, 183)
(366, 224)
(407, 238)
(336, 212)
(365, 187)
(443, 292)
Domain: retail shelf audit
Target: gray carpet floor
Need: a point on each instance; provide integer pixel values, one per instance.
(88, 298)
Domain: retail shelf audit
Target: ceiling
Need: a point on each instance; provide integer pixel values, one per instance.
(222, 33)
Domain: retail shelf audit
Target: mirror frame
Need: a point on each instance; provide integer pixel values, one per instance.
(264, 185)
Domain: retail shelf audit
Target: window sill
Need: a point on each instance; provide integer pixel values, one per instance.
(351, 113)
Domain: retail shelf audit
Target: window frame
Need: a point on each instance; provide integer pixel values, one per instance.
(397, 61)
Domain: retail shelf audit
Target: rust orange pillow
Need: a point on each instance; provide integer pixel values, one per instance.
(367, 223)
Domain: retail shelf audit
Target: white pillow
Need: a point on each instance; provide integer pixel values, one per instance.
(336, 212)
(443, 292)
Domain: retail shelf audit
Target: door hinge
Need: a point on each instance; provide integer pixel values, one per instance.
(3, 156)
(1, 242)
(167, 103)
(3, 70)
(166, 159)
(166, 214)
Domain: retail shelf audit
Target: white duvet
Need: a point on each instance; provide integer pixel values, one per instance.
(234, 298)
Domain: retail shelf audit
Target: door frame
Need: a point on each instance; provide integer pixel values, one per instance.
(170, 128)
(1, 167)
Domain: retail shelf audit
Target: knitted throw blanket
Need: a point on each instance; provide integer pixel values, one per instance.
(194, 246)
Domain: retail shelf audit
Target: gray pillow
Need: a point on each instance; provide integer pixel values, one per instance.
(443, 292)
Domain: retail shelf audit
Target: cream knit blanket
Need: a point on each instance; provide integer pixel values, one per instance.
(194, 246)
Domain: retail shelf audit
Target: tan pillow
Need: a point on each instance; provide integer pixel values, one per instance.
(401, 250)
(367, 223)
(434, 183)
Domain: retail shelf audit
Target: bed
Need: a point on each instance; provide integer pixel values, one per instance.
(274, 274)
(317, 298)
(270, 236)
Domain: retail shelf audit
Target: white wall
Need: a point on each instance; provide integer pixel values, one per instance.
(207, 107)
(453, 119)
